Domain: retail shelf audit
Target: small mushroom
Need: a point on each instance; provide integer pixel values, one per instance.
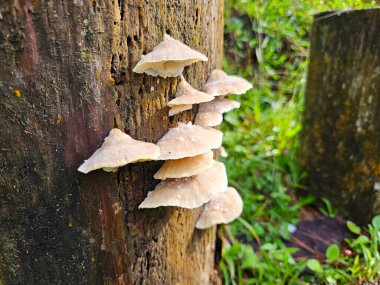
(179, 108)
(188, 140)
(191, 192)
(219, 84)
(185, 167)
(186, 94)
(222, 209)
(168, 59)
(223, 152)
(218, 106)
(210, 113)
(119, 149)
(208, 119)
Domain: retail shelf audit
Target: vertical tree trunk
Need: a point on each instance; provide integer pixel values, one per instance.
(340, 145)
(65, 80)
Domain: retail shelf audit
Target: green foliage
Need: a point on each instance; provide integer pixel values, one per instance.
(267, 42)
(328, 209)
(353, 228)
(332, 252)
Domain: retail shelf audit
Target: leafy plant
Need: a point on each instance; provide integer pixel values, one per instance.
(267, 42)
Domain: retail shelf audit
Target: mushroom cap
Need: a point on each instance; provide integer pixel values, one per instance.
(190, 192)
(218, 106)
(223, 152)
(186, 94)
(223, 208)
(119, 149)
(185, 167)
(208, 119)
(168, 58)
(188, 140)
(179, 108)
(219, 83)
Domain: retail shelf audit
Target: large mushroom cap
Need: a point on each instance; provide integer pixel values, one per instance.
(168, 59)
(219, 83)
(208, 119)
(190, 192)
(185, 167)
(186, 94)
(222, 209)
(218, 106)
(188, 140)
(119, 149)
(179, 108)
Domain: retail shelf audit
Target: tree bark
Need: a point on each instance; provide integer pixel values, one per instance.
(65, 81)
(340, 144)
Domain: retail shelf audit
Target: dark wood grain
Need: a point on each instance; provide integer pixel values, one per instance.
(71, 63)
(340, 144)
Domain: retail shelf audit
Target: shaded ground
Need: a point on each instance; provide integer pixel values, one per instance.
(316, 233)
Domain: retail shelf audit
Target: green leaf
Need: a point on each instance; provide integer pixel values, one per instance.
(332, 252)
(353, 228)
(376, 222)
(314, 265)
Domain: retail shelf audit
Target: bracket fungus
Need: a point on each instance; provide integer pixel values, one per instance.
(219, 84)
(188, 140)
(179, 108)
(222, 209)
(208, 119)
(186, 96)
(210, 113)
(185, 167)
(168, 59)
(191, 192)
(119, 149)
(223, 152)
(218, 106)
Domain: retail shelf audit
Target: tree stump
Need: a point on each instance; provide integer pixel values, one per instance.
(340, 143)
(65, 81)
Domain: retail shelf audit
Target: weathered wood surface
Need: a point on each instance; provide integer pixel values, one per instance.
(65, 80)
(340, 144)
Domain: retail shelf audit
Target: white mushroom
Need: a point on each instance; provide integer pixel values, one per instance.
(191, 192)
(219, 84)
(218, 106)
(188, 140)
(179, 108)
(186, 94)
(208, 119)
(185, 167)
(168, 59)
(119, 149)
(222, 209)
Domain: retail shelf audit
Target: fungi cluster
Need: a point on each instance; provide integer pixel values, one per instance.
(190, 177)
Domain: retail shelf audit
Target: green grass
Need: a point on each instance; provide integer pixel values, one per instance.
(267, 42)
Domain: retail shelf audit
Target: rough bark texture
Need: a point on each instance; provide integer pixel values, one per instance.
(65, 80)
(340, 145)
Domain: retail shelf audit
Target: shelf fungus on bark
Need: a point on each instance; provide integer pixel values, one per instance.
(222, 209)
(219, 84)
(119, 149)
(208, 119)
(188, 140)
(210, 113)
(168, 59)
(187, 95)
(223, 152)
(185, 167)
(190, 192)
(179, 108)
(218, 106)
